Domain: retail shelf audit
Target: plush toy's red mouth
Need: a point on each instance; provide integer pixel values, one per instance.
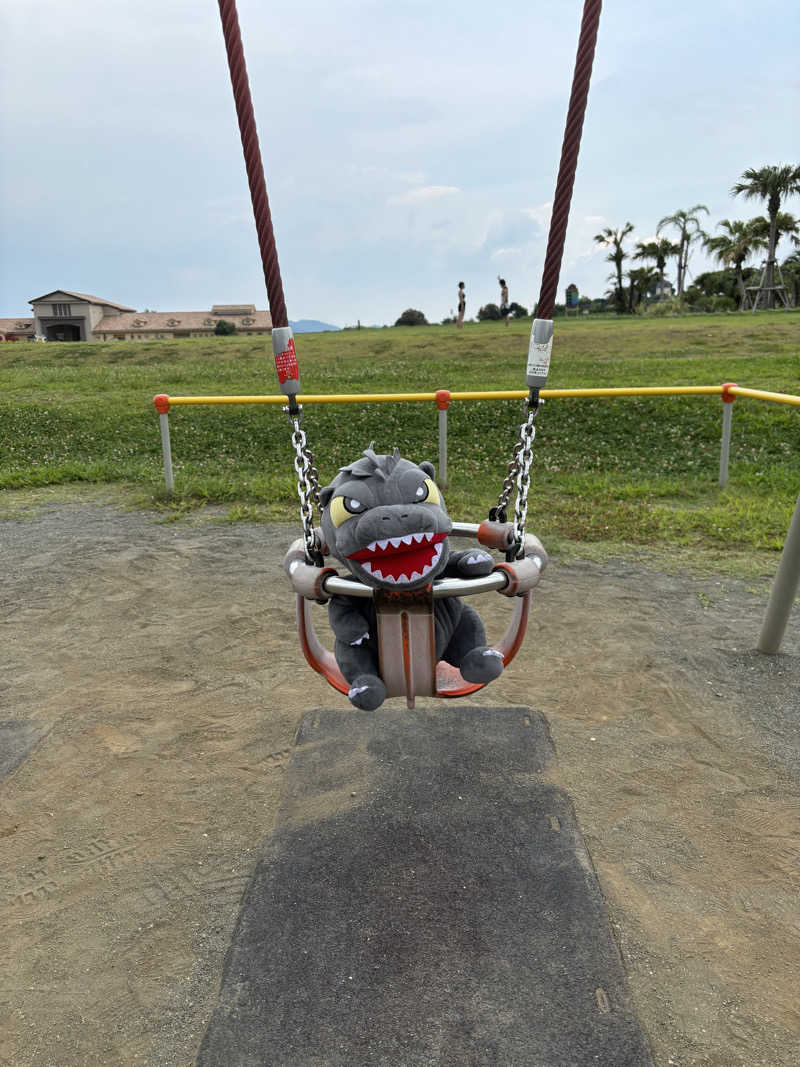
(401, 559)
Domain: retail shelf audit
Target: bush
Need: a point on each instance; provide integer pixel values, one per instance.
(517, 310)
(724, 303)
(489, 313)
(663, 308)
(412, 317)
(698, 301)
(224, 328)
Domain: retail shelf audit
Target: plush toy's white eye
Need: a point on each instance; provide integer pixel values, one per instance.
(344, 507)
(421, 493)
(431, 492)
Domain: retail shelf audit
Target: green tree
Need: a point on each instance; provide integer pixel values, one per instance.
(657, 251)
(489, 313)
(772, 184)
(735, 245)
(786, 225)
(412, 317)
(719, 283)
(687, 223)
(224, 328)
(641, 280)
(613, 239)
(791, 275)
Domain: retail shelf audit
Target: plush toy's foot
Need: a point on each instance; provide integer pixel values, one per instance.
(482, 665)
(367, 692)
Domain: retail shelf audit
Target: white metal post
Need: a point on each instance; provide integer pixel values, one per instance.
(442, 403)
(784, 590)
(443, 448)
(725, 447)
(166, 451)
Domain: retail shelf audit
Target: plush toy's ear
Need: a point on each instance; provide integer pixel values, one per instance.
(429, 468)
(325, 496)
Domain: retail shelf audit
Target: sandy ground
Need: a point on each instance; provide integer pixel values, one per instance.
(157, 666)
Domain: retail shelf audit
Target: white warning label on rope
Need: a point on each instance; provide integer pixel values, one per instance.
(539, 359)
(539, 353)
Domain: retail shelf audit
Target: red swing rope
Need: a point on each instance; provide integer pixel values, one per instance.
(253, 163)
(542, 332)
(569, 158)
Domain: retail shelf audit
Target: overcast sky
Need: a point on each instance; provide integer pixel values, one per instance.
(407, 146)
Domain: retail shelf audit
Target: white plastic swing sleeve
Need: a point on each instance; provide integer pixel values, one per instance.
(541, 345)
(286, 359)
(306, 580)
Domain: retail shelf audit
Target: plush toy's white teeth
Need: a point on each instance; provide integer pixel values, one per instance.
(402, 579)
(395, 542)
(390, 578)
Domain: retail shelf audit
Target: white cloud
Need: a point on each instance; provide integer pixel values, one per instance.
(540, 214)
(424, 194)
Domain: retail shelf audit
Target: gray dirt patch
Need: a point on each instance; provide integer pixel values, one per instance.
(17, 739)
(161, 660)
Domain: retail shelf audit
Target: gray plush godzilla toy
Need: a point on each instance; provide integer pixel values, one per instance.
(384, 518)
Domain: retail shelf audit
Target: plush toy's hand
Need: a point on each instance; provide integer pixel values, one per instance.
(482, 665)
(469, 563)
(367, 692)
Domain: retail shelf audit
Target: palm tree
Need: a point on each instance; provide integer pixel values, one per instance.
(689, 230)
(786, 225)
(642, 280)
(659, 252)
(772, 184)
(613, 239)
(735, 245)
(791, 270)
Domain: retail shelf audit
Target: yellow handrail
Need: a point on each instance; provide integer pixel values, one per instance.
(760, 394)
(500, 394)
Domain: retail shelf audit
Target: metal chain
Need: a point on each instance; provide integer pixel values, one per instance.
(528, 434)
(519, 474)
(307, 490)
(499, 512)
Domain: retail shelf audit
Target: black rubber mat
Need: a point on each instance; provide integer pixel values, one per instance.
(17, 739)
(426, 899)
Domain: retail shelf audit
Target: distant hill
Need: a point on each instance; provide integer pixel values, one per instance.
(310, 326)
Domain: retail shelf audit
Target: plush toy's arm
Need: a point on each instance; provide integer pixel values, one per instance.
(349, 625)
(356, 651)
(469, 563)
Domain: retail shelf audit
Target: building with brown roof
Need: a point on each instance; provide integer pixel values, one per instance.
(135, 326)
(67, 316)
(16, 329)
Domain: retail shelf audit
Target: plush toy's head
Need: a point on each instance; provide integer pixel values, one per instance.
(384, 518)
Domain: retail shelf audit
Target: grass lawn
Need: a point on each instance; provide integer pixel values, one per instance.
(606, 472)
